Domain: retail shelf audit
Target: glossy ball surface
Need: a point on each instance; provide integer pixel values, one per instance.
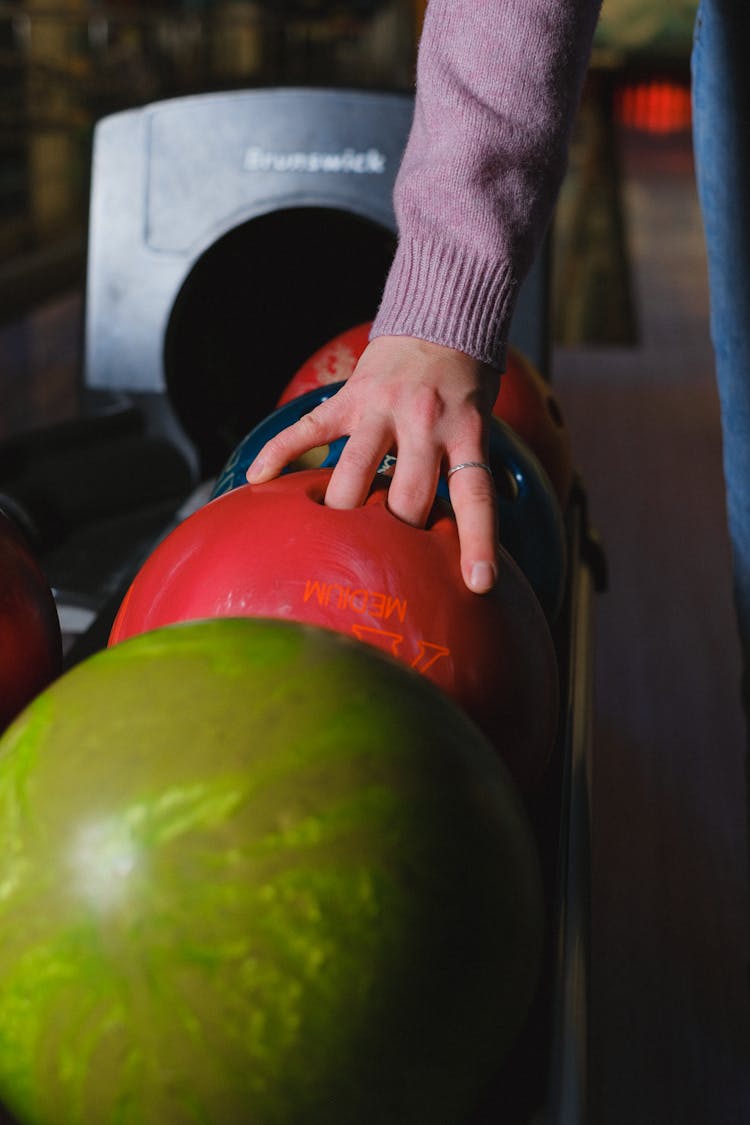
(257, 873)
(275, 550)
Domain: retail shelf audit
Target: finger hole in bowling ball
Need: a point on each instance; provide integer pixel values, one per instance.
(506, 485)
(317, 493)
(312, 459)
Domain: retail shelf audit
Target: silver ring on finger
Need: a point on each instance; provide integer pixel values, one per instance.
(468, 465)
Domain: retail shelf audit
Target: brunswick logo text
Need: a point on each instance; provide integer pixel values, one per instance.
(347, 162)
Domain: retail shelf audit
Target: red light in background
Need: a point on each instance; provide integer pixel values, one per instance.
(654, 106)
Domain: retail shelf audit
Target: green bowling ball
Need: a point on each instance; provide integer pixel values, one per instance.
(256, 872)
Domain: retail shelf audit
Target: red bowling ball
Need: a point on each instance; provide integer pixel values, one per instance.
(275, 550)
(30, 638)
(330, 364)
(526, 400)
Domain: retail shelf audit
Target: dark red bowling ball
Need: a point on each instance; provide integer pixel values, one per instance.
(275, 550)
(30, 639)
(330, 364)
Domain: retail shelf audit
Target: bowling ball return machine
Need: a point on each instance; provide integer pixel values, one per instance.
(230, 235)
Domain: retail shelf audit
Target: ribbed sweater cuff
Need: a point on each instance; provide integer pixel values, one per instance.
(436, 293)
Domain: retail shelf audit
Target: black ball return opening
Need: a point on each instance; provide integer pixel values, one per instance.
(302, 275)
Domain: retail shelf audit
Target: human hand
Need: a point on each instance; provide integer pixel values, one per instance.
(428, 404)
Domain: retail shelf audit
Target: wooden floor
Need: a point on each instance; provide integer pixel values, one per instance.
(670, 916)
(670, 1018)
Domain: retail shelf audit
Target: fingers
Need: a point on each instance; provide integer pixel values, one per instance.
(412, 490)
(359, 460)
(357, 466)
(472, 493)
(411, 493)
(319, 427)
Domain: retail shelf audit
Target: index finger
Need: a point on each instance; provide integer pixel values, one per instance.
(318, 427)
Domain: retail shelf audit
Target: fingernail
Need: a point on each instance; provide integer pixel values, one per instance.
(254, 471)
(482, 577)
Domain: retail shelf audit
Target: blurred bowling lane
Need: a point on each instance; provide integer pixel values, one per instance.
(670, 934)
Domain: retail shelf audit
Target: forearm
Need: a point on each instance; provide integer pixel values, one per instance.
(498, 85)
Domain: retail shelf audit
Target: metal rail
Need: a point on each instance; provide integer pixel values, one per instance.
(567, 1102)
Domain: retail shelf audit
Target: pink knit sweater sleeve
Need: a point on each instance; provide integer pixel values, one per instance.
(498, 85)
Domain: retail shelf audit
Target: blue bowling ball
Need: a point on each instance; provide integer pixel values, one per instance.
(529, 514)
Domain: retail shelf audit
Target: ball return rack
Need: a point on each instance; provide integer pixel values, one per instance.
(188, 197)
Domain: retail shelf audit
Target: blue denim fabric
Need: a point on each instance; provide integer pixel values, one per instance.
(721, 133)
